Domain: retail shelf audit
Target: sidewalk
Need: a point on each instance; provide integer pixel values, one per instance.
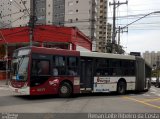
(3, 83)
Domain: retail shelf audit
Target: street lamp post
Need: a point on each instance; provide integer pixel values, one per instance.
(155, 12)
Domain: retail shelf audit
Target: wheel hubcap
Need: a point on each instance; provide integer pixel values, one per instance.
(121, 88)
(64, 89)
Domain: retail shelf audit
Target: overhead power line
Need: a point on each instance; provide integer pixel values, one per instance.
(13, 21)
(23, 2)
(17, 4)
(10, 14)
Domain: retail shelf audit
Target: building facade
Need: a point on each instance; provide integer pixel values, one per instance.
(109, 33)
(89, 16)
(58, 12)
(24, 8)
(81, 14)
(46, 11)
(20, 15)
(5, 14)
(101, 29)
(152, 58)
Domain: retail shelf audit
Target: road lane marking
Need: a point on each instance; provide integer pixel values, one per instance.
(4, 88)
(158, 94)
(153, 92)
(151, 100)
(146, 95)
(142, 102)
(153, 89)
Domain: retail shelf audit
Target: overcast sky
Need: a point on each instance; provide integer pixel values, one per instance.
(143, 35)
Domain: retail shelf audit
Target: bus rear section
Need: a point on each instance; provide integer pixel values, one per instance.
(103, 73)
(143, 75)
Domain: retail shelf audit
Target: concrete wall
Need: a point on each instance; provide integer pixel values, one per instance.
(21, 18)
(78, 13)
(5, 14)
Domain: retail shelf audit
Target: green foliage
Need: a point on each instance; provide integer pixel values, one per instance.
(155, 73)
(118, 48)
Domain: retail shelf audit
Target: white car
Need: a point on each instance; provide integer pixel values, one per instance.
(153, 80)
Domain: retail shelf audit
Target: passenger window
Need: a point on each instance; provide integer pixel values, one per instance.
(72, 66)
(59, 66)
(40, 67)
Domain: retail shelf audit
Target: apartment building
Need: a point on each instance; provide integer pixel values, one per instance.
(58, 12)
(152, 58)
(101, 29)
(90, 16)
(109, 32)
(81, 14)
(46, 11)
(20, 15)
(5, 14)
(24, 8)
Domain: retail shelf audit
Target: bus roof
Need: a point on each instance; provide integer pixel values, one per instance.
(107, 55)
(77, 53)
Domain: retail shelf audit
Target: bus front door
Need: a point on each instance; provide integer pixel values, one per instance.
(86, 74)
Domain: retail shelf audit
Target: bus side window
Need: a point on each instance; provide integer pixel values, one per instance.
(55, 71)
(34, 68)
(58, 66)
(102, 67)
(40, 67)
(72, 63)
(44, 67)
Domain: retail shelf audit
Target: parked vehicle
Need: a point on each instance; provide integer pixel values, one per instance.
(157, 84)
(153, 80)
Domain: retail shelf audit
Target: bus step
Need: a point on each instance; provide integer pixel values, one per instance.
(85, 90)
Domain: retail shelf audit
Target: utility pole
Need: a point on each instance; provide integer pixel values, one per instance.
(6, 56)
(32, 21)
(120, 30)
(115, 5)
(119, 47)
(119, 35)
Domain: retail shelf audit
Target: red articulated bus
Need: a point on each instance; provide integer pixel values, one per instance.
(39, 71)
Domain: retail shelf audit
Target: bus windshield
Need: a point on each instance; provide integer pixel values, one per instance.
(19, 68)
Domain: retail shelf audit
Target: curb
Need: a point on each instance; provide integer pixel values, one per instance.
(4, 86)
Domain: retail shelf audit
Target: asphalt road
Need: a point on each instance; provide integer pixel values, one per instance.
(87, 103)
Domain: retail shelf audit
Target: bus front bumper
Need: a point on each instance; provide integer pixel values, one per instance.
(20, 91)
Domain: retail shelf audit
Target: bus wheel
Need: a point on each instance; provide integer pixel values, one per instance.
(121, 87)
(65, 90)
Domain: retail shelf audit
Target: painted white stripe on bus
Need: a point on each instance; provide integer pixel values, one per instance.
(107, 84)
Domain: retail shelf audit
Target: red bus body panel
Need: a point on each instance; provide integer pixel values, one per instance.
(53, 89)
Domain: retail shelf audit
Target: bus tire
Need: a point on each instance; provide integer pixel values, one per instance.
(65, 90)
(121, 88)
